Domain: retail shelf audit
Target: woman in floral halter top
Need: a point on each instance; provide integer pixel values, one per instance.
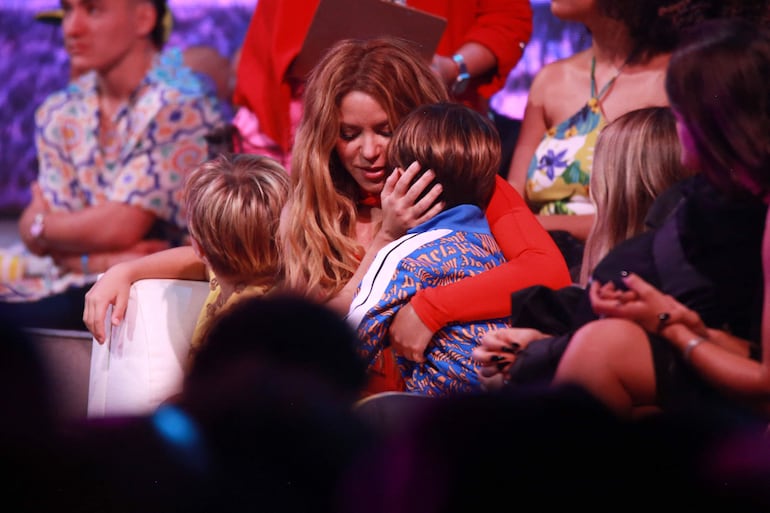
(622, 70)
(558, 176)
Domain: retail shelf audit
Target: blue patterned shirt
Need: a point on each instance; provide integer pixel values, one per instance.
(455, 244)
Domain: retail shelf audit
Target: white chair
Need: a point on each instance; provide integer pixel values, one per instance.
(141, 364)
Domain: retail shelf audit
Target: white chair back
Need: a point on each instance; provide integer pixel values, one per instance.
(142, 362)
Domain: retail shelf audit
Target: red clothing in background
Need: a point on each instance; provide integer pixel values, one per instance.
(278, 28)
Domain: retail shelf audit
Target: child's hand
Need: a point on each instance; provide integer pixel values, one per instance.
(402, 207)
(111, 289)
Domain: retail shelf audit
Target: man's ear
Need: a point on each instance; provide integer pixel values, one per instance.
(145, 17)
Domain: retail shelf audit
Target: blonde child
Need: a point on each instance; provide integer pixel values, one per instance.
(637, 158)
(233, 207)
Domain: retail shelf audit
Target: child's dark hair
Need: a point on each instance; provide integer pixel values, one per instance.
(461, 146)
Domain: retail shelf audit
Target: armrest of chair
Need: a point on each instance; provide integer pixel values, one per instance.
(142, 362)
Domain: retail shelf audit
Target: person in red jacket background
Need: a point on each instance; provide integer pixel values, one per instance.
(483, 38)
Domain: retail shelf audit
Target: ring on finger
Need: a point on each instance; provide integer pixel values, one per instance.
(663, 319)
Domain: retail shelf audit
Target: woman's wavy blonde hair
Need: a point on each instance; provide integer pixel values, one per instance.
(318, 226)
(637, 156)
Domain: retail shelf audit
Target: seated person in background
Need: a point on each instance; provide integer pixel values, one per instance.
(637, 158)
(485, 39)
(664, 351)
(213, 68)
(571, 100)
(263, 331)
(233, 208)
(462, 148)
(113, 150)
(705, 256)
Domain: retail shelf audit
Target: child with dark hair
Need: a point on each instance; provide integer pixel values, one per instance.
(263, 329)
(463, 152)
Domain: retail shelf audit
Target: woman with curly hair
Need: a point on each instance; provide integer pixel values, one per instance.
(333, 224)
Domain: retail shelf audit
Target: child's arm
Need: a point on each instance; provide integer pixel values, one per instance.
(113, 286)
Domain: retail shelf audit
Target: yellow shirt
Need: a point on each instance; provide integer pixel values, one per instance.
(215, 305)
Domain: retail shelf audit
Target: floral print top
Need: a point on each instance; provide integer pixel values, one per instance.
(158, 136)
(559, 173)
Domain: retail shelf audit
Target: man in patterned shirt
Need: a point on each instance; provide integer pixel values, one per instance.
(462, 148)
(115, 145)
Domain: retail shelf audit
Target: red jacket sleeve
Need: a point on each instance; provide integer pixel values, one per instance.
(499, 25)
(532, 259)
(273, 39)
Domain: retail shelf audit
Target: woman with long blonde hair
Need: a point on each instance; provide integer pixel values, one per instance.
(331, 219)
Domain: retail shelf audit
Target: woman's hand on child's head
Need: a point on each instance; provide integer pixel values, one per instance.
(402, 205)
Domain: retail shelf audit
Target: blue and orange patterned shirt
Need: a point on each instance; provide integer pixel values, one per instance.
(158, 137)
(455, 244)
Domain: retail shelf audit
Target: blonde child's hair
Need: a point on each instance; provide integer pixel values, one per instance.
(637, 156)
(233, 207)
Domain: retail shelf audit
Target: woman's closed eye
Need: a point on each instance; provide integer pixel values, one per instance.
(348, 134)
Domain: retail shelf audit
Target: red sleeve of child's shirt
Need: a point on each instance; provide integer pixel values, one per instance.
(532, 258)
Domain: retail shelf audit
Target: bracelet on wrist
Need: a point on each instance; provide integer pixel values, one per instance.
(690, 347)
(461, 81)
